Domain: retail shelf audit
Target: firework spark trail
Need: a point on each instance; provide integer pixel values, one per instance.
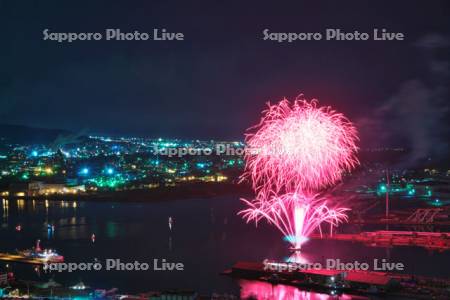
(297, 150)
(295, 216)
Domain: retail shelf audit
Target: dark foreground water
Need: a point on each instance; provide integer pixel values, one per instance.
(207, 237)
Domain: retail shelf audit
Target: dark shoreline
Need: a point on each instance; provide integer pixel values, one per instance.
(188, 191)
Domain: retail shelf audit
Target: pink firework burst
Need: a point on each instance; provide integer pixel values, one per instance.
(299, 147)
(296, 151)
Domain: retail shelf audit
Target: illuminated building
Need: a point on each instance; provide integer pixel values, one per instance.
(38, 188)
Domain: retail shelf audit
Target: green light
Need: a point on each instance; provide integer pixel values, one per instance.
(436, 202)
(108, 182)
(111, 229)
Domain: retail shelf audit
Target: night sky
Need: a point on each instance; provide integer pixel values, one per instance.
(216, 82)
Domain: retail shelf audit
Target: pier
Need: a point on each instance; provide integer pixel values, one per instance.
(430, 240)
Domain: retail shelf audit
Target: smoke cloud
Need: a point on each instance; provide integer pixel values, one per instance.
(416, 115)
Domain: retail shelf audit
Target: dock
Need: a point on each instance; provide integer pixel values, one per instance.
(439, 241)
(21, 259)
(352, 282)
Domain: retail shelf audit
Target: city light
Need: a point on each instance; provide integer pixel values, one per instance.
(200, 165)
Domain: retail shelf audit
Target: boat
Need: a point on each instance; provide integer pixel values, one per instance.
(48, 285)
(46, 255)
(79, 286)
